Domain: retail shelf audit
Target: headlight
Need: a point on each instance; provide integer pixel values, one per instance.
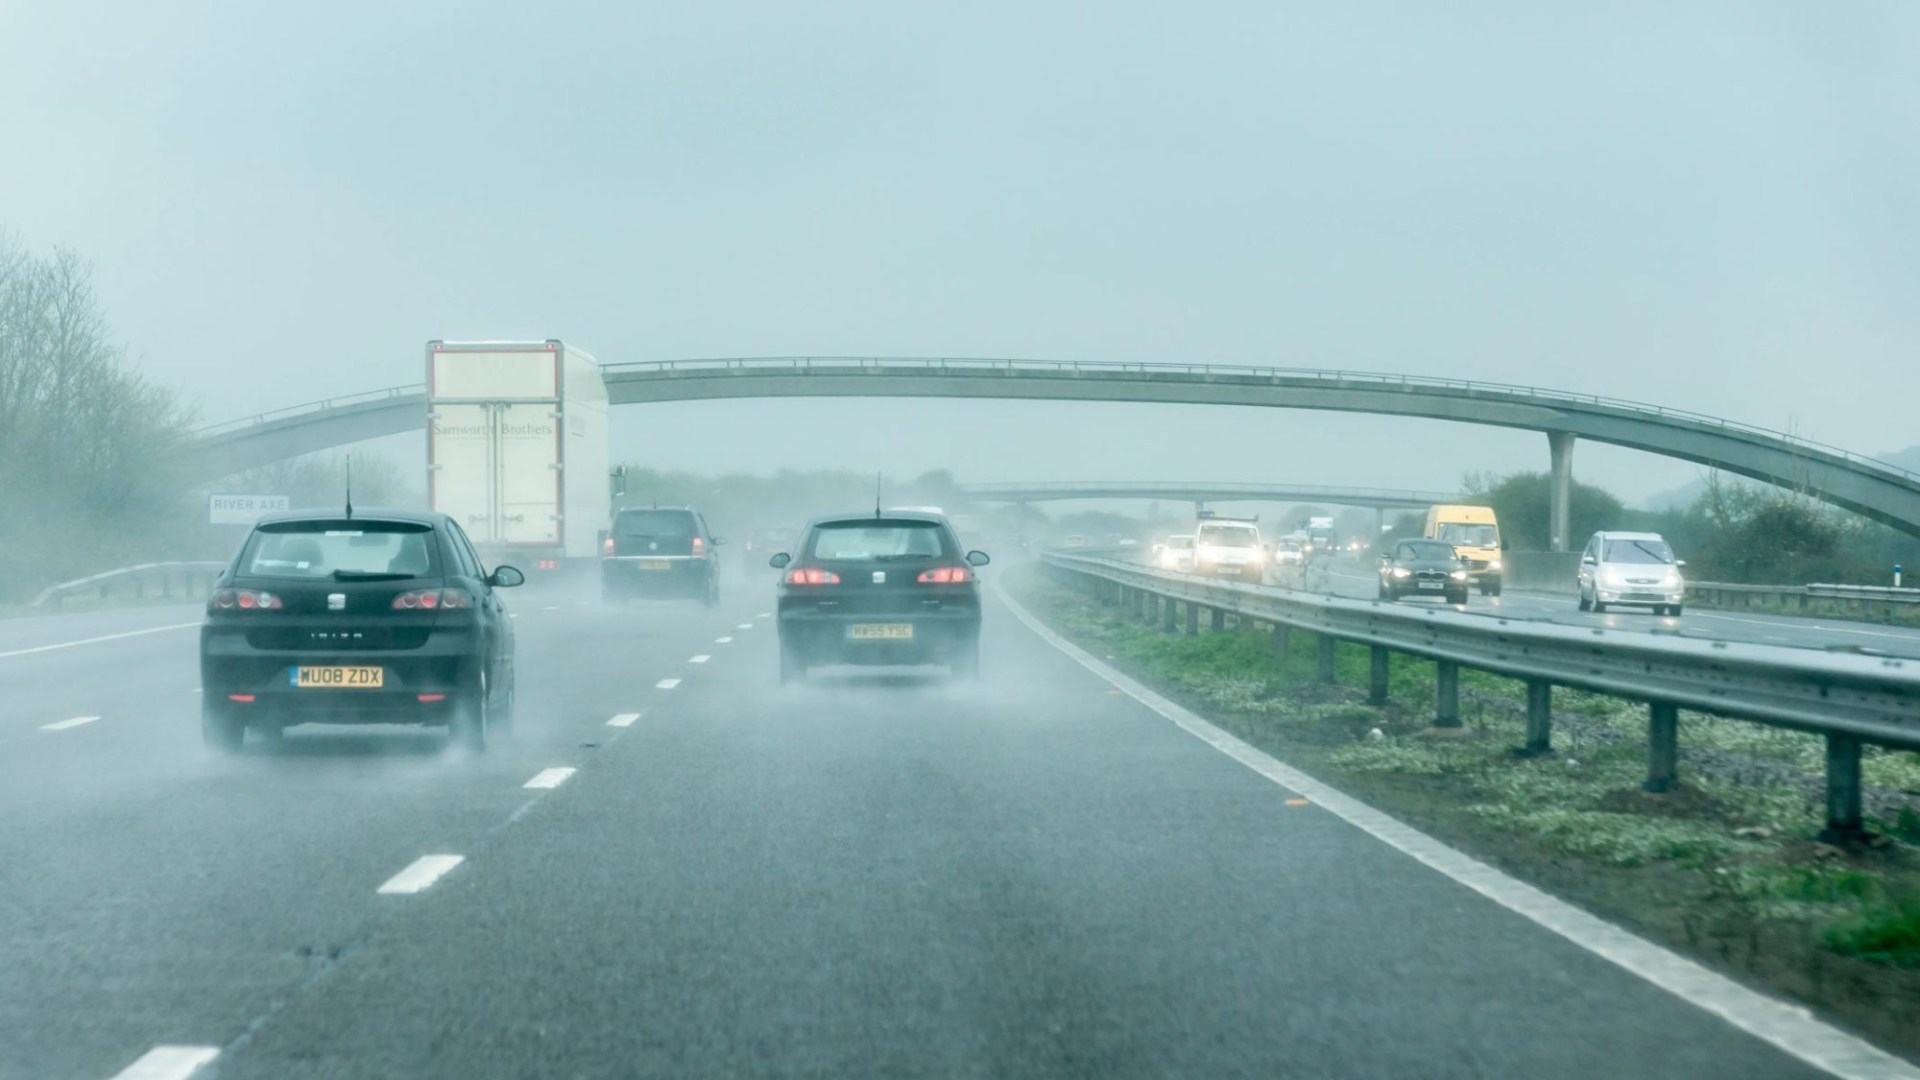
(1458, 575)
(1493, 564)
(1672, 579)
(1401, 571)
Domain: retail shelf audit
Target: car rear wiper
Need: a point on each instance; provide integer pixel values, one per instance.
(369, 575)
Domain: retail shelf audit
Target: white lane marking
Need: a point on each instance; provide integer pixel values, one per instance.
(744, 626)
(1782, 624)
(700, 659)
(624, 719)
(548, 779)
(1789, 1028)
(421, 874)
(764, 615)
(666, 684)
(723, 640)
(551, 607)
(168, 1063)
(62, 725)
(97, 640)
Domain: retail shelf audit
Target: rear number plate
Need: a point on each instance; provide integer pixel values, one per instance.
(881, 631)
(655, 564)
(338, 678)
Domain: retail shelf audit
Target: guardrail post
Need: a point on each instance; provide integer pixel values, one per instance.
(1167, 613)
(1282, 638)
(1377, 675)
(1139, 607)
(1663, 746)
(1193, 618)
(1539, 718)
(1843, 790)
(1323, 671)
(1216, 619)
(1446, 694)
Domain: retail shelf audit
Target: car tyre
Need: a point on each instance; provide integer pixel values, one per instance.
(221, 729)
(1585, 604)
(1598, 607)
(1674, 610)
(792, 668)
(1494, 590)
(500, 716)
(712, 597)
(966, 664)
(468, 725)
(1458, 598)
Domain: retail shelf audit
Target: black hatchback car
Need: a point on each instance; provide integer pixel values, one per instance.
(892, 588)
(660, 552)
(1424, 568)
(381, 617)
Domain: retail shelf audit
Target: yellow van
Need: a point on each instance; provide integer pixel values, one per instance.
(1475, 534)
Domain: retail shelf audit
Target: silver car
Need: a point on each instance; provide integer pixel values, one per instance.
(1631, 568)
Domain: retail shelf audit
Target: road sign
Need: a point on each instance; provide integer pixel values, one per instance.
(243, 509)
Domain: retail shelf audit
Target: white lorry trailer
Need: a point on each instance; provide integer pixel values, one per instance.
(517, 449)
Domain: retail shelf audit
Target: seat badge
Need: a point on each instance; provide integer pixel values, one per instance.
(879, 577)
(336, 601)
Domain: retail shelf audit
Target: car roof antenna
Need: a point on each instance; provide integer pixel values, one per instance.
(349, 487)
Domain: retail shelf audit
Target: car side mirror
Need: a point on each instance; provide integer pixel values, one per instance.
(977, 558)
(1587, 560)
(1679, 562)
(506, 577)
(780, 560)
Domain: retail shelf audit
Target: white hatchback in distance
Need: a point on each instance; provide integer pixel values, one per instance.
(1631, 568)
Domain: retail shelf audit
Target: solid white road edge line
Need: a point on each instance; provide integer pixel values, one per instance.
(666, 684)
(1790, 1028)
(420, 874)
(624, 719)
(700, 659)
(62, 725)
(97, 640)
(168, 1063)
(547, 779)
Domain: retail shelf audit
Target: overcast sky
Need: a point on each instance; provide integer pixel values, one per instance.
(1715, 208)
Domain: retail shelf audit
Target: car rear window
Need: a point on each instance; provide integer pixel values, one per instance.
(333, 549)
(878, 539)
(654, 524)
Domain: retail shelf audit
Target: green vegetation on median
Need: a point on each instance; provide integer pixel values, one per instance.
(1725, 867)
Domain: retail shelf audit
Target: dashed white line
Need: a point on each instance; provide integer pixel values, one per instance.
(723, 640)
(62, 725)
(699, 659)
(744, 626)
(548, 779)
(764, 615)
(421, 874)
(168, 1063)
(551, 607)
(666, 684)
(624, 719)
(97, 640)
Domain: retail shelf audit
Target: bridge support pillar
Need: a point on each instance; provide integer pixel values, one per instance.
(1843, 791)
(1446, 694)
(1663, 747)
(1216, 618)
(1193, 618)
(1539, 719)
(1323, 670)
(1560, 484)
(1377, 675)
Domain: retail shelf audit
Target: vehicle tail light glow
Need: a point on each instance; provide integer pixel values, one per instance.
(547, 564)
(432, 600)
(699, 546)
(245, 600)
(606, 546)
(812, 575)
(431, 698)
(244, 699)
(946, 575)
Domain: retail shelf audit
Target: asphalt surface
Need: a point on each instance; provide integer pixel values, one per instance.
(1358, 580)
(877, 873)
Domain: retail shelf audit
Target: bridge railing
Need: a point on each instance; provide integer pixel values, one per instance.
(185, 580)
(1214, 489)
(311, 407)
(1850, 698)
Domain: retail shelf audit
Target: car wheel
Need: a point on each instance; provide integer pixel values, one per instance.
(1598, 607)
(792, 668)
(712, 597)
(1458, 598)
(1495, 591)
(221, 729)
(469, 723)
(274, 735)
(1674, 610)
(1384, 595)
(500, 715)
(966, 663)
(1585, 604)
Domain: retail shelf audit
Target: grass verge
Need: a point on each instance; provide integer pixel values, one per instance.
(1724, 869)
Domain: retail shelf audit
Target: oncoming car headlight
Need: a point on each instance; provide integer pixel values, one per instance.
(1458, 575)
(1401, 571)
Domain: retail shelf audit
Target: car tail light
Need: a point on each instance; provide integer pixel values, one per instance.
(606, 546)
(946, 575)
(699, 546)
(547, 564)
(432, 600)
(245, 600)
(811, 575)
